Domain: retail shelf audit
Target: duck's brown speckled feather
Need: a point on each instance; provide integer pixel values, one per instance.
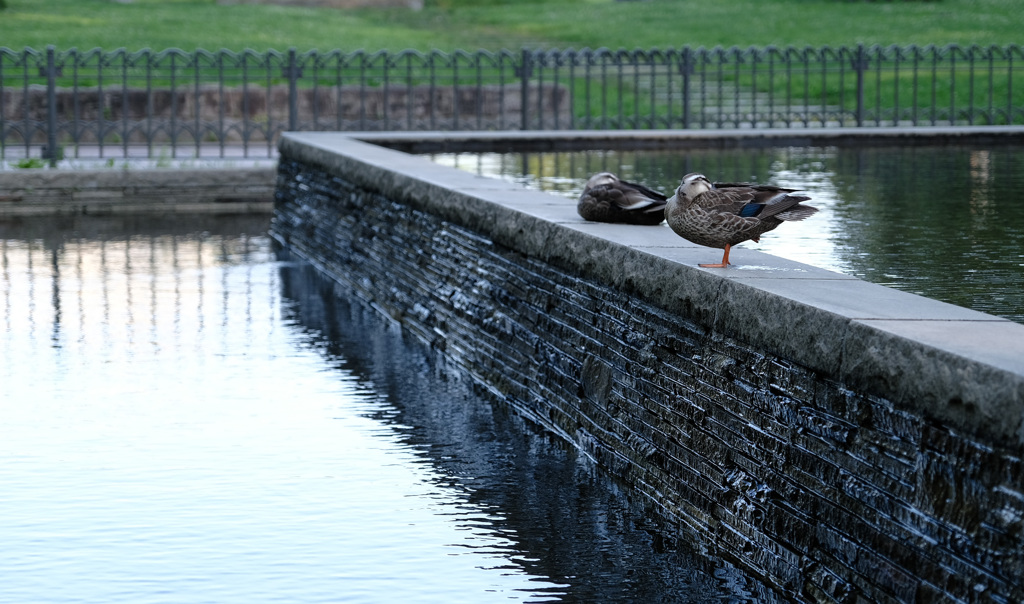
(713, 218)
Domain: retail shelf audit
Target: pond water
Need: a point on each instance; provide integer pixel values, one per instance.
(185, 417)
(943, 222)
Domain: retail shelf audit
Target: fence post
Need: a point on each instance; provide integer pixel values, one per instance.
(860, 64)
(525, 70)
(293, 90)
(50, 151)
(687, 68)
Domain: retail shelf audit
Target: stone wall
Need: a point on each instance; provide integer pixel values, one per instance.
(113, 190)
(842, 455)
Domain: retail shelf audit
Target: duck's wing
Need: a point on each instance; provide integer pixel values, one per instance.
(762, 193)
(720, 214)
(729, 201)
(629, 197)
(754, 186)
(621, 198)
(783, 206)
(639, 195)
(759, 203)
(605, 198)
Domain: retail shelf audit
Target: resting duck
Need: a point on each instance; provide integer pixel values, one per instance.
(605, 198)
(724, 214)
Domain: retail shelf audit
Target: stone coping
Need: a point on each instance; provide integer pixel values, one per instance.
(957, 365)
(563, 140)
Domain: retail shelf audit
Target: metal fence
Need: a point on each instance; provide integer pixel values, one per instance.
(216, 104)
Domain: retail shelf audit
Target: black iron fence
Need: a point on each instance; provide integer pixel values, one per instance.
(99, 103)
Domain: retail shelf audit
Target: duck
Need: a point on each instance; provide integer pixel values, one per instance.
(722, 215)
(607, 198)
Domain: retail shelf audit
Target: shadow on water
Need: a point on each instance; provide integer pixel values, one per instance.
(566, 520)
(943, 222)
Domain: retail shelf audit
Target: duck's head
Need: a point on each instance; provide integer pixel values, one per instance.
(602, 179)
(694, 184)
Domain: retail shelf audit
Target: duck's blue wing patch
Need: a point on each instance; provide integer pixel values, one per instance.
(751, 209)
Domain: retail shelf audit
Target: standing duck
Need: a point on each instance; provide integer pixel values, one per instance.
(606, 198)
(722, 215)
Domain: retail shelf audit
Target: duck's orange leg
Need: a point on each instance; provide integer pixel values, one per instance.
(725, 260)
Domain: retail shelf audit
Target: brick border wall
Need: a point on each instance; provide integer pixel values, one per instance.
(843, 455)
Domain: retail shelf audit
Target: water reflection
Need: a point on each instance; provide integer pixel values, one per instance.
(558, 517)
(947, 223)
(185, 417)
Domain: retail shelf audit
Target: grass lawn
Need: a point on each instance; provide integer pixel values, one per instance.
(496, 24)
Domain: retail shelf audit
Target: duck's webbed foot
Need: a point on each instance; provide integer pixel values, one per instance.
(725, 260)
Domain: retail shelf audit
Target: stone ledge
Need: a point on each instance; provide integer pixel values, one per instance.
(959, 366)
(546, 140)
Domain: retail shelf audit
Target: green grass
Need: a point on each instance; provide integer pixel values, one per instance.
(451, 24)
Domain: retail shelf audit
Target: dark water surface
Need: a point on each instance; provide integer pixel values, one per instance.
(943, 222)
(184, 417)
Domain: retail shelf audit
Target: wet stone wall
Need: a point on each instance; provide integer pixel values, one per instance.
(830, 494)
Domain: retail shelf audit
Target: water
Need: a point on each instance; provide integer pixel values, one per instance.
(942, 222)
(186, 418)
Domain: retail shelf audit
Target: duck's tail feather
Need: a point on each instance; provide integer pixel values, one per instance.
(797, 213)
(645, 205)
(656, 207)
(646, 191)
(785, 206)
